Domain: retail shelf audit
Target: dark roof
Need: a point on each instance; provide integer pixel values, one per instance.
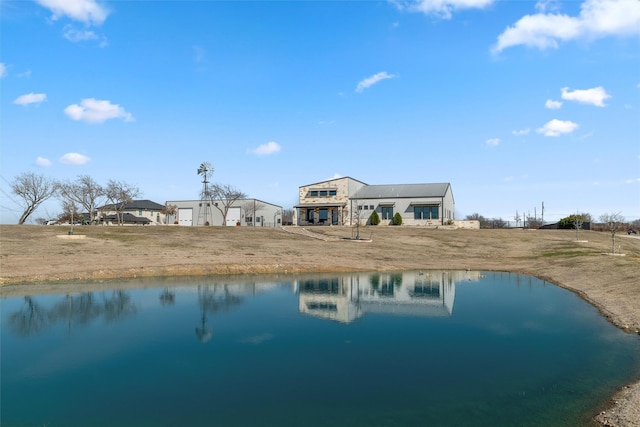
(138, 204)
(401, 191)
(127, 218)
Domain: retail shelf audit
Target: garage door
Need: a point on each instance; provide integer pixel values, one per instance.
(185, 217)
(233, 216)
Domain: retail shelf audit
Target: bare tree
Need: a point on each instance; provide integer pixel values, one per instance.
(251, 207)
(484, 222)
(69, 213)
(169, 211)
(33, 189)
(225, 195)
(613, 222)
(356, 216)
(577, 222)
(533, 222)
(85, 192)
(517, 218)
(287, 217)
(119, 194)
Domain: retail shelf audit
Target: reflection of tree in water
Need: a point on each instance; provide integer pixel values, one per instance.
(167, 297)
(31, 318)
(72, 309)
(212, 301)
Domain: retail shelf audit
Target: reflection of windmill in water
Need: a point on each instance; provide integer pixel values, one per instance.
(211, 302)
(206, 170)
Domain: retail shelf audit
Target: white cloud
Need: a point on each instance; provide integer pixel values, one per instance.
(633, 181)
(440, 8)
(76, 36)
(30, 98)
(74, 159)
(337, 175)
(3, 70)
(557, 127)
(553, 105)
(97, 111)
(41, 161)
(86, 11)
(597, 19)
(543, 6)
(521, 132)
(270, 147)
(493, 142)
(594, 96)
(370, 81)
(26, 74)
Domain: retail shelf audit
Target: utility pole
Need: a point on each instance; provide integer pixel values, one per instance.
(542, 213)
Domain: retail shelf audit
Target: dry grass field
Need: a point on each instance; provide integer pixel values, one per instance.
(31, 257)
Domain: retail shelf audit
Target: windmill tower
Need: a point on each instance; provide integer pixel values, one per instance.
(206, 170)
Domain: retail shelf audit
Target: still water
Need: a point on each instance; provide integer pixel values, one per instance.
(429, 348)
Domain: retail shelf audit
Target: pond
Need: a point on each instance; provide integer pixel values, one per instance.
(437, 348)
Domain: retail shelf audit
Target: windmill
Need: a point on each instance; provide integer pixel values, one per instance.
(206, 170)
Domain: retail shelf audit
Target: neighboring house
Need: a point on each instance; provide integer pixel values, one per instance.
(136, 212)
(127, 219)
(345, 201)
(242, 212)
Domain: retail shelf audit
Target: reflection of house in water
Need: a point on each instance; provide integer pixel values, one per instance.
(345, 298)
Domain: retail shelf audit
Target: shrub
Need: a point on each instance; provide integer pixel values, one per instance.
(374, 219)
(397, 219)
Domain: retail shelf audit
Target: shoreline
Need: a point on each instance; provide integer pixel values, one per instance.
(548, 255)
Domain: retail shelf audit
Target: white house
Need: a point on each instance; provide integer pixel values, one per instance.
(344, 201)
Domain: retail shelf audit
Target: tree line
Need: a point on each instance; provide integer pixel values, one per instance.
(82, 194)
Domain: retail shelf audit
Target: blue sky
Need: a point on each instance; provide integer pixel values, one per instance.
(515, 103)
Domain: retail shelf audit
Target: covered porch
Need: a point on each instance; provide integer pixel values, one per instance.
(321, 214)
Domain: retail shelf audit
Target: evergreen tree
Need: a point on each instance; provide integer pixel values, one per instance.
(374, 219)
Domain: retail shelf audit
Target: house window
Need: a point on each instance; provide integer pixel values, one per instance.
(322, 193)
(139, 211)
(366, 207)
(323, 215)
(387, 212)
(248, 219)
(257, 219)
(371, 207)
(425, 212)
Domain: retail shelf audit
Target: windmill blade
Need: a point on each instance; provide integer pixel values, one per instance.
(204, 168)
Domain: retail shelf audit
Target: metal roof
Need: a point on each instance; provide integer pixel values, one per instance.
(401, 191)
(334, 179)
